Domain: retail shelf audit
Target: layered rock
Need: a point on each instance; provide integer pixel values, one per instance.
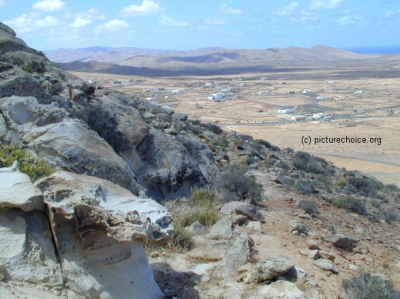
(79, 234)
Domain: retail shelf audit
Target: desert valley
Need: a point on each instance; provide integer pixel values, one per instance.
(312, 99)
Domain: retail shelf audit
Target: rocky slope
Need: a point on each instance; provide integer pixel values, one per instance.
(80, 231)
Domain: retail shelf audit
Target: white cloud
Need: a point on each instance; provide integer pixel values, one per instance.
(304, 16)
(348, 20)
(49, 5)
(2, 2)
(226, 10)
(325, 4)
(80, 22)
(32, 22)
(285, 11)
(148, 7)
(84, 18)
(113, 26)
(115, 30)
(168, 22)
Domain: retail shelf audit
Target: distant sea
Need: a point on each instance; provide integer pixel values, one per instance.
(375, 49)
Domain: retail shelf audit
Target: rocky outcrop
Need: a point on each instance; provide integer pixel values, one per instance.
(90, 130)
(80, 234)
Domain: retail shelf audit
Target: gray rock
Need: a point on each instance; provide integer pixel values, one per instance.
(239, 219)
(353, 267)
(229, 207)
(250, 211)
(273, 267)
(326, 255)
(312, 244)
(314, 254)
(196, 228)
(254, 225)
(238, 255)
(17, 191)
(222, 229)
(326, 265)
(210, 253)
(281, 290)
(342, 241)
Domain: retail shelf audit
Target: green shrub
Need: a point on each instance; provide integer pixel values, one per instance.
(202, 197)
(35, 169)
(34, 67)
(365, 185)
(206, 215)
(351, 204)
(180, 239)
(235, 184)
(308, 206)
(367, 286)
(392, 187)
(201, 208)
(306, 187)
(389, 215)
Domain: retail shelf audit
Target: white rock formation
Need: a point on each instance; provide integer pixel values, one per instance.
(81, 234)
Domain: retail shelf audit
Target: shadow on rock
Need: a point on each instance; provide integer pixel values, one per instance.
(174, 283)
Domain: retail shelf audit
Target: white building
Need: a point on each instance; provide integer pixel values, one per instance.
(307, 91)
(297, 117)
(286, 111)
(319, 115)
(264, 92)
(217, 97)
(179, 91)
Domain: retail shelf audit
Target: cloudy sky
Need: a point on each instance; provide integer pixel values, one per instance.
(183, 25)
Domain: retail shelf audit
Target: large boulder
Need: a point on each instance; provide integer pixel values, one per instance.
(222, 229)
(273, 267)
(64, 191)
(83, 235)
(342, 241)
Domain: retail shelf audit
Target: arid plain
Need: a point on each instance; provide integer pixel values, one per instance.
(358, 105)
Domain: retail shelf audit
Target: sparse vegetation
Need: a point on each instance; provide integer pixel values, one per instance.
(311, 164)
(351, 204)
(309, 207)
(369, 286)
(201, 208)
(389, 215)
(34, 67)
(364, 185)
(236, 184)
(34, 168)
(306, 186)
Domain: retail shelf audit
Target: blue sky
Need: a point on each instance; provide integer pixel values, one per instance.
(184, 25)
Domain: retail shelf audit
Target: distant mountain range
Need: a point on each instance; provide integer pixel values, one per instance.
(200, 61)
